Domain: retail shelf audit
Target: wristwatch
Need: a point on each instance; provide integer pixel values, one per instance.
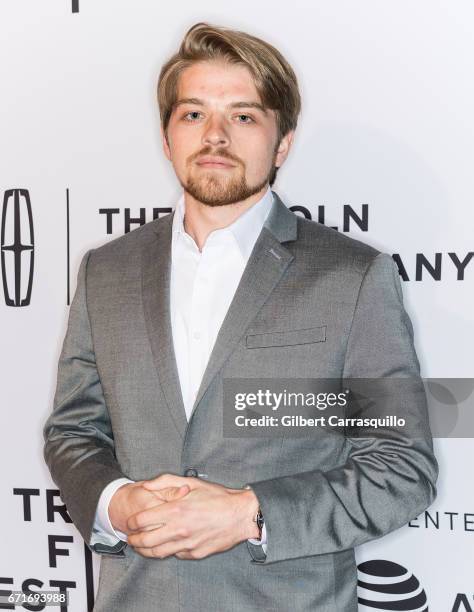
(258, 518)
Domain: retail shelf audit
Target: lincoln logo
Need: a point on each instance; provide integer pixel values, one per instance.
(17, 247)
(385, 585)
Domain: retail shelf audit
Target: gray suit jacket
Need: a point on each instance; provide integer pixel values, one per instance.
(118, 411)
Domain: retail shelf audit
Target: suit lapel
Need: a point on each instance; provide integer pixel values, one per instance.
(266, 265)
(156, 274)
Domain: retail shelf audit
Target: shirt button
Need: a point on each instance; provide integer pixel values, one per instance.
(196, 335)
(190, 472)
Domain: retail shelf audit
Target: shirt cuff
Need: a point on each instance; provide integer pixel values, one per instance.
(262, 541)
(102, 522)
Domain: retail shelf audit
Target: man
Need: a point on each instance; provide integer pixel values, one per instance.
(230, 285)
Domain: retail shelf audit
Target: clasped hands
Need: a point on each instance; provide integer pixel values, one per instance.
(187, 517)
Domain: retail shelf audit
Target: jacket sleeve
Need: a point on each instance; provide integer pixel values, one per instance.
(78, 438)
(388, 479)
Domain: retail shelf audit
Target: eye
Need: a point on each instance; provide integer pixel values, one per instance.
(246, 117)
(191, 113)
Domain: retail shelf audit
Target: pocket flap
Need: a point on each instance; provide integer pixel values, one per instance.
(287, 338)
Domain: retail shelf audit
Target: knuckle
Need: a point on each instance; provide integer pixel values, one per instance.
(191, 544)
(145, 540)
(176, 509)
(196, 554)
(183, 554)
(179, 508)
(167, 493)
(132, 523)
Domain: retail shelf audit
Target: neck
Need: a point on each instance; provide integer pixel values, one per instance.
(201, 219)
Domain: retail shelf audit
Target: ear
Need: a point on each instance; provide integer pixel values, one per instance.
(166, 147)
(284, 148)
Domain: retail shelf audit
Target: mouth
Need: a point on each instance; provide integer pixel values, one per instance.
(219, 163)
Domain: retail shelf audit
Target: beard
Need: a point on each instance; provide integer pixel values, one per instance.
(219, 188)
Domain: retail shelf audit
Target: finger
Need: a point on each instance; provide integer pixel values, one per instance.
(150, 516)
(165, 481)
(156, 537)
(191, 555)
(183, 555)
(165, 550)
(151, 527)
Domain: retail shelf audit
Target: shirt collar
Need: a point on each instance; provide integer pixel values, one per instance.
(245, 229)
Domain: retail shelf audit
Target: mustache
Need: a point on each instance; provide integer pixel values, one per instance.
(216, 153)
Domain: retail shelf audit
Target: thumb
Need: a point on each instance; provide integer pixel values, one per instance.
(172, 493)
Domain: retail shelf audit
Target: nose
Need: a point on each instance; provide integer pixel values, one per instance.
(215, 133)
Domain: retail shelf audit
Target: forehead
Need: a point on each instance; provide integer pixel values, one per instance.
(217, 79)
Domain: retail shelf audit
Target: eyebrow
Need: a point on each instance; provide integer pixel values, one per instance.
(241, 104)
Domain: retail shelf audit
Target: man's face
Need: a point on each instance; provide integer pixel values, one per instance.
(221, 141)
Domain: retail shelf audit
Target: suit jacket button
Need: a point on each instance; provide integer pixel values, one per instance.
(190, 472)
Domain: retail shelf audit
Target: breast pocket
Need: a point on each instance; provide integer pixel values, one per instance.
(287, 338)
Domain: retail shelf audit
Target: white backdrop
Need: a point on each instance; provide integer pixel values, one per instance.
(387, 121)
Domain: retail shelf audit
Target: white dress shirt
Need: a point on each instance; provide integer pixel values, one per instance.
(202, 286)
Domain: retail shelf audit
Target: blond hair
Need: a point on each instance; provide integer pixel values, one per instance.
(273, 76)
